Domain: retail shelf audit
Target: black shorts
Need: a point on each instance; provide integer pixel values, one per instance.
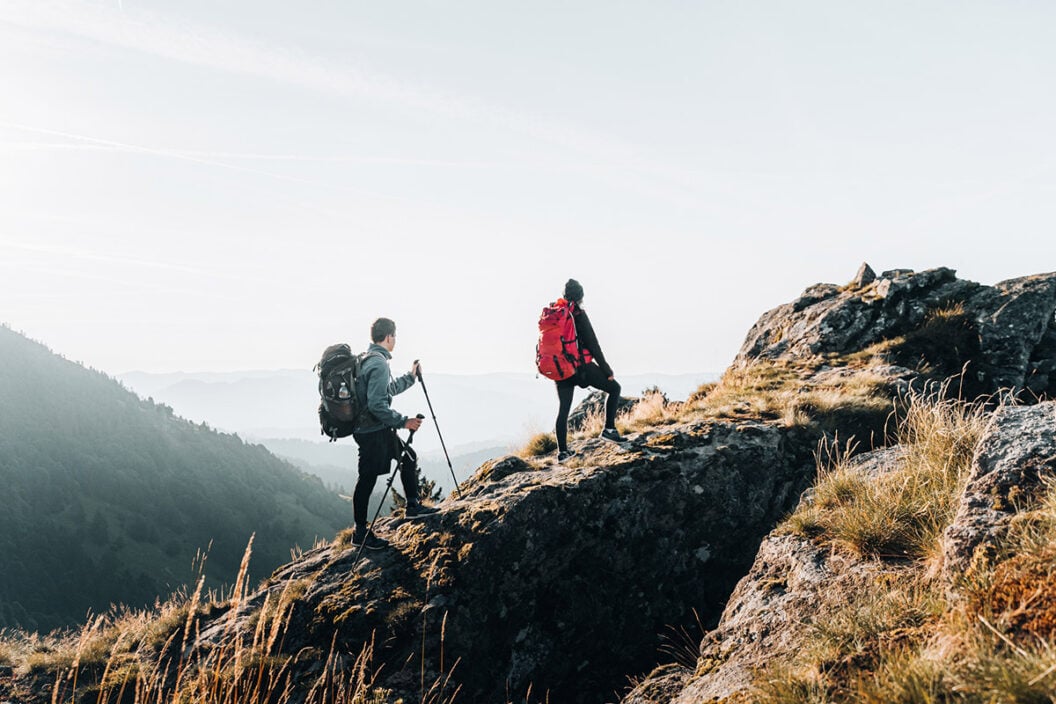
(377, 450)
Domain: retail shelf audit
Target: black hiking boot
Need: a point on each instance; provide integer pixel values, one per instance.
(565, 455)
(416, 510)
(368, 540)
(612, 434)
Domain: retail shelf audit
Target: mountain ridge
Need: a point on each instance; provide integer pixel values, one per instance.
(551, 582)
(101, 482)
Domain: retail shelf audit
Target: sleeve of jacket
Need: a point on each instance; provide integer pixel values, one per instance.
(378, 398)
(587, 338)
(401, 384)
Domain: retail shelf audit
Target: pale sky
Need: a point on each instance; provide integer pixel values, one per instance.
(201, 185)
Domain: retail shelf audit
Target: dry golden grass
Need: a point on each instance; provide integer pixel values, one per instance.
(1034, 529)
(856, 404)
(1016, 591)
(901, 513)
(592, 425)
(782, 391)
(343, 540)
(1021, 595)
(758, 390)
(897, 608)
(652, 410)
(963, 659)
(539, 445)
(905, 677)
(118, 658)
(786, 684)
(909, 639)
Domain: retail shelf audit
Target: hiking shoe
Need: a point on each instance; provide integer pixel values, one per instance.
(611, 434)
(567, 454)
(415, 510)
(367, 539)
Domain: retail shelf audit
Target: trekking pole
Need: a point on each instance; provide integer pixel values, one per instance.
(437, 425)
(406, 446)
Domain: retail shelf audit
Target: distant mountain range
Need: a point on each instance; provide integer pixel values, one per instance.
(480, 416)
(472, 410)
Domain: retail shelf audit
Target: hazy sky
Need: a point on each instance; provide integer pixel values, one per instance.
(224, 184)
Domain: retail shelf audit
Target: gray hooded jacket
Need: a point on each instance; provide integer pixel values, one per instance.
(376, 387)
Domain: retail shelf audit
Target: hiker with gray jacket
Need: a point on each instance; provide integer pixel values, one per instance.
(375, 432)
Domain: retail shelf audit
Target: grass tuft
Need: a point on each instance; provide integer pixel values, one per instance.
(906, 677)
(653, 409)
(902, 635)
(592, 425)
(144, 657)
(901, 513)
(539, 445)
(787, 685)
(855, 403)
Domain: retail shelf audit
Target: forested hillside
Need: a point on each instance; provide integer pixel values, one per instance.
(107, 497)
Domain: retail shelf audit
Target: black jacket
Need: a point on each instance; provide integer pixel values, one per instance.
(588, 340)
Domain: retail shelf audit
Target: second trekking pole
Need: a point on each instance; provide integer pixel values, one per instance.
(431, 411)
(405, 447)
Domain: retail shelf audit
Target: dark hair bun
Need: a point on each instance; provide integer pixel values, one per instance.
(573, 291)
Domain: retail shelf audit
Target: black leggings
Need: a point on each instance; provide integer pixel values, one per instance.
(377, 450)
(586, 375)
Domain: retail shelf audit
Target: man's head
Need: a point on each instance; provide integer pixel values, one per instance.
(383, 332)
(573, 291)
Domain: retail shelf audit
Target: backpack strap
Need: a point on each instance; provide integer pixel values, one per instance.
(360, 359)
(364, 356)
(572, 308)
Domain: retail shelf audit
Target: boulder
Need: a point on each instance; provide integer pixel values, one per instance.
(1013, 464)
(1016, 333)
(864, 277)
(1002, 336)
(767, 620)
(829, 319)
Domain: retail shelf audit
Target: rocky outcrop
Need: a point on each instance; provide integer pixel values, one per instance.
(1005, 333)
(864, 277)
(1013, 465)
(1016, 333)
(793, 582)
(769, 615)
(828, 318)
(916, 327)
(554, 578)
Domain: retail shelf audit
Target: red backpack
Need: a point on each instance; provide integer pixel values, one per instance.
(557, 355)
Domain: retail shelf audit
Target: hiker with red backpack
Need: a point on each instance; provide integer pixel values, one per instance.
(569, 353)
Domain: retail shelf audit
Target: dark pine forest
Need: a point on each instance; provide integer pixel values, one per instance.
(107, 498)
